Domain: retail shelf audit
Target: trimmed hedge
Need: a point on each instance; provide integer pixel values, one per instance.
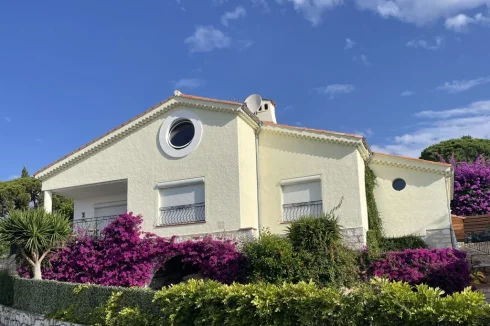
(48, 297)
(210, 303)
(402, 243)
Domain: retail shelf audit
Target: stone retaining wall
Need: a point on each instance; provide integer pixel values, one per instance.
(439, 238)
(14, 317)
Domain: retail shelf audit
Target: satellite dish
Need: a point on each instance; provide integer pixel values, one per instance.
(253, 102)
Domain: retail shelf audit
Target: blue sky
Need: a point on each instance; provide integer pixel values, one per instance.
(405, 73)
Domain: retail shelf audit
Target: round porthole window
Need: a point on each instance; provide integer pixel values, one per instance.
(180, 133)
(399, 184)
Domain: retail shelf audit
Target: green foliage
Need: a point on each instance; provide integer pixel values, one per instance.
(402, 243)
(381, 303)
(25, 173)
(35, 233)
(375, 223)
(4, 249)
(315, 233)
(6, 289)
(465, 149)
(24, 192)
(271, 258)
(311, 251)
(69, 301)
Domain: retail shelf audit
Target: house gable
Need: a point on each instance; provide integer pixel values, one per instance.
(140, 121)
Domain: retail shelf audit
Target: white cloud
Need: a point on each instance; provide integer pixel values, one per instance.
(419, 43)
(189, 83)
(435, 126)
(457, 86)
(243, 44)
(419, 12)
(407, 93)
(364, 60)
(313, 10)
(238, 13)
(459, 23)
(261, 3)
(335, 89)
(8, 119)
(349, 44)
(206, 39)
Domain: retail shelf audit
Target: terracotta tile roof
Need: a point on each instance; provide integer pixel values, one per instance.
(412, 159)
(131, 120)
(311, 129)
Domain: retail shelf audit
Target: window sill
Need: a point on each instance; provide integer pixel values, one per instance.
(179, 224)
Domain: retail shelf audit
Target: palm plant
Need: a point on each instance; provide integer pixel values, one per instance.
(35, 233)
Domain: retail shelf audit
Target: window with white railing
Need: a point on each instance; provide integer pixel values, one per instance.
(301, 197)
(181, 203)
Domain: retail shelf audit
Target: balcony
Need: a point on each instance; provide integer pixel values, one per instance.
(94, 225)
(184, 214)
(292, 212)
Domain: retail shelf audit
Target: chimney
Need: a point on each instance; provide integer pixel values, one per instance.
(267, 111)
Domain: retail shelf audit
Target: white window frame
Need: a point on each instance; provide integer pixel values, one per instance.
(297, 181)
(201, 207)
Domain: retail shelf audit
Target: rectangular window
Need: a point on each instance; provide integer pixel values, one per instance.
(301, 199)
(181, 203)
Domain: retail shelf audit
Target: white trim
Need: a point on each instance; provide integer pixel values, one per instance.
(111, 204)
(178, 183)
(288, 182)
(165, 131)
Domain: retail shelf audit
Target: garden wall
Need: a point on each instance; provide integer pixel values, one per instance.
(14, 317)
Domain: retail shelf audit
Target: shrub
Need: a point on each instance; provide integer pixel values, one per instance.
(471, 187)
(77, 302)
(271, 258)
(402, 243)
(127, 256)
(6, 289)
(315, 233)
(211, 303)
(375, 232)
(446, 269)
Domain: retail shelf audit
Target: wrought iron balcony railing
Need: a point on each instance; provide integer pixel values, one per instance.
(182, 214)
(93, 225)
(292, 212)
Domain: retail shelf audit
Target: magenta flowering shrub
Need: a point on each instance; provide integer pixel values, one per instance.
(126, 256)
(471, 187)
(446, 269)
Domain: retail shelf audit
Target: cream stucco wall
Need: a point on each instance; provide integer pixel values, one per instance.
(86, 205)
(248, 176)
(421, 206)
(138, 158)
(341, 169)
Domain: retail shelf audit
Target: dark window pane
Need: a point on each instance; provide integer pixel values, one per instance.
(181, 134)
(399, 184)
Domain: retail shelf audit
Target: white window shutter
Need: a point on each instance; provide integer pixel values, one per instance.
(183, 195)
(302, 192)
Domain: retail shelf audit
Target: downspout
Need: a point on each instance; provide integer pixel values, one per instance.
(257, 172)
(451, 230)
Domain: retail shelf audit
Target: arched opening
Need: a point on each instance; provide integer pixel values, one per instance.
(174, 271)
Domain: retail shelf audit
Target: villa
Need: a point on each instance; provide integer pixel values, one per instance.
(193, 166)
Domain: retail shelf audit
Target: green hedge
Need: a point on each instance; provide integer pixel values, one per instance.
(211, 303)
(49, 297)
(402, 243)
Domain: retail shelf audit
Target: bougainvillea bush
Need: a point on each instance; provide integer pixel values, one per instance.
(446, 269)
(126, 256)
(471, 187)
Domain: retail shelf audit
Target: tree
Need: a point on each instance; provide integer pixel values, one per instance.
(25, 192)
(24, 173)
(35, 233)
(465, 149)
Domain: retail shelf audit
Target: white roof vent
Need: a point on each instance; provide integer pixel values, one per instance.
(265, 110)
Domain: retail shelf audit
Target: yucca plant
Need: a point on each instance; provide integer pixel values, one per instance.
(35, 233)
